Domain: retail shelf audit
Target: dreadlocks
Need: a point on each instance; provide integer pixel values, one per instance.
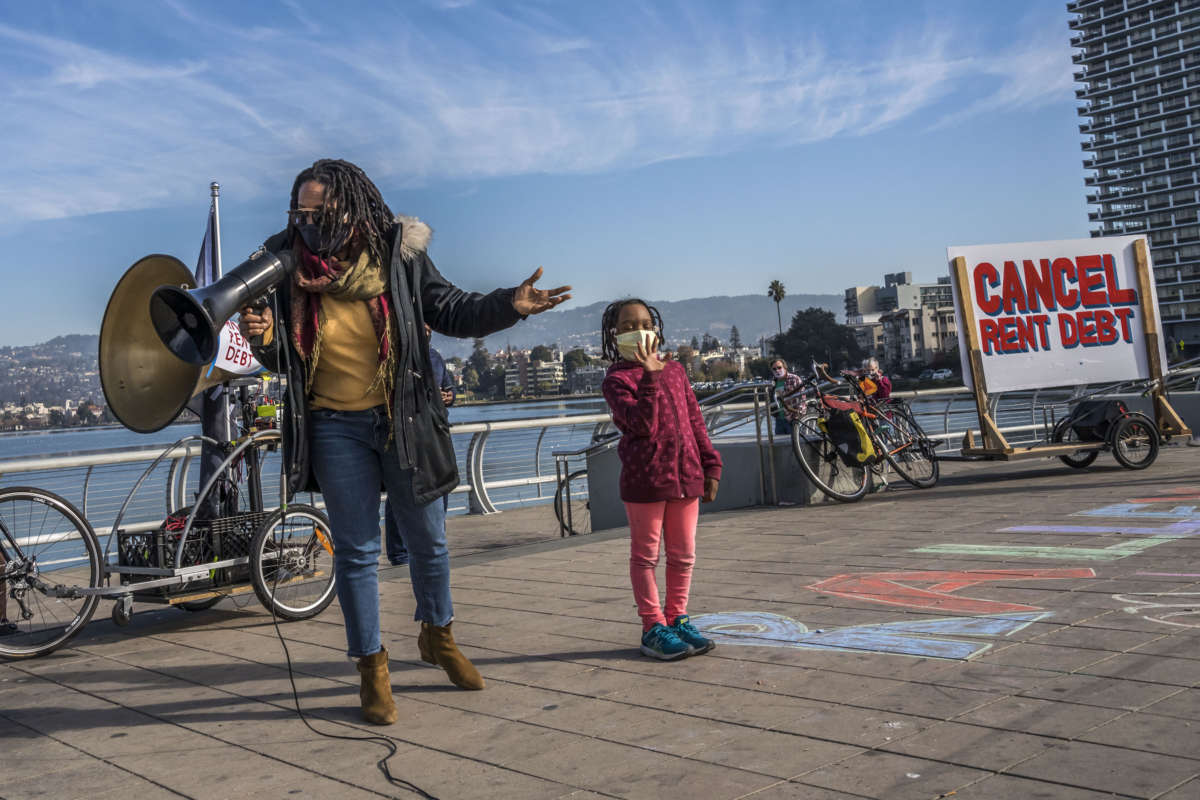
(352, 203)
(608, 325)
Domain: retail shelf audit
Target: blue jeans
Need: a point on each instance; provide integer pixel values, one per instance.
(397, 553)
(352, 460)
(783, 427)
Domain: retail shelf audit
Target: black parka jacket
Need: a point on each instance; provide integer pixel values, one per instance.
(419, 294)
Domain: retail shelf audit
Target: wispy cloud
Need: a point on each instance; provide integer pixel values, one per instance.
(425, 94)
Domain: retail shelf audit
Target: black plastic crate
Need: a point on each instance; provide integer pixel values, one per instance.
(233, 535)
(210, 540)
(157, 549)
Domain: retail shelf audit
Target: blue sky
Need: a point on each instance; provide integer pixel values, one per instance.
(666, 149)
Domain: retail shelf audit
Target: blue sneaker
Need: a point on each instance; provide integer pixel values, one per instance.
(661, 642)
(690, 635)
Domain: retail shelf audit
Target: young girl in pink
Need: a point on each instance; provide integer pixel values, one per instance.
(668, 465)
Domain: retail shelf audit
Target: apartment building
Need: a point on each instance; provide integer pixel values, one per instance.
(1140, 74)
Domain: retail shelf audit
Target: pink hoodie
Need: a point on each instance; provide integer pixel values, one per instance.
(665, 450)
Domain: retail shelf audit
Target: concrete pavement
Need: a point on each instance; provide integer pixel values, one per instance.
(1021, 630)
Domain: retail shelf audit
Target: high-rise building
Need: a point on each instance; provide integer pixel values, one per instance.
(1140, 71)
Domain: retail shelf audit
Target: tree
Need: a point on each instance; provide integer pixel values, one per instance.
(695, 345)
(815, 335)
(686, 356)
(491, 382)
(470, 378)
(776, 292)
(541, 353)
(479, 358)
(735, 338)
(722, 368)
(84, 414)
(759, 368)
(56, 418)
(574, 359)
(709, 343)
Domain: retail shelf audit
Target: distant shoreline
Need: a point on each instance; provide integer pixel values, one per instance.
(556, 398)
(459, 404)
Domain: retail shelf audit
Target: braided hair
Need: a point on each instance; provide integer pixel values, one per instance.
(353, 204)
(608, 325)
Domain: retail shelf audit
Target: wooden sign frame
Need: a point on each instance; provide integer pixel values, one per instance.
(993, 444)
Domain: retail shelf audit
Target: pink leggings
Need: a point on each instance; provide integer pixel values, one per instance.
(674, 520)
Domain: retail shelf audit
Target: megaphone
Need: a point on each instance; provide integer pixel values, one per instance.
(159, 332)
(188, 321)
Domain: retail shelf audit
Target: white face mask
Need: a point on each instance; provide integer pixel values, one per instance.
(779, 372)
(627, 343)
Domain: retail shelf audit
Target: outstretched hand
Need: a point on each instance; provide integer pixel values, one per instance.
(528, 300)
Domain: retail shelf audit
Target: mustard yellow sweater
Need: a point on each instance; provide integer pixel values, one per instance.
(349, 358)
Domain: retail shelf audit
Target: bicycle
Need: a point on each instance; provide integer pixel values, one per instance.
(54, 572)
(841, 469)
(572, 502)
(821, 458)
(898, 437)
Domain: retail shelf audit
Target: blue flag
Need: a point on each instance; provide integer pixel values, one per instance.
(206, 265)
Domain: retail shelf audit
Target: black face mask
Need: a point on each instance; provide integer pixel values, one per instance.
(317, 244)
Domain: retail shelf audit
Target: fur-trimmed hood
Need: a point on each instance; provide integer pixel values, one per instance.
(414, 234)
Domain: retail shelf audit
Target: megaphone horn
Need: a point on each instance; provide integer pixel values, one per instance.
(158, 333)
(188, 321)
(145, 386)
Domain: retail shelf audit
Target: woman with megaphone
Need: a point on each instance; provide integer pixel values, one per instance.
(362, 409)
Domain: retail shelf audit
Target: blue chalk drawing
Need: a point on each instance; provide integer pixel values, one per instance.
(929, 638)
(1139, 510)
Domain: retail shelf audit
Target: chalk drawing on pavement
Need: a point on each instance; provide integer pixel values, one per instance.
(1173, 493)
(1138, 510)
(1153, 607)
(1184, 522)
(1174, 530)
(897, 589)
(954, 638)
(1062, 553)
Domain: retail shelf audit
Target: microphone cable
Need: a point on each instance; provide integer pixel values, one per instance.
(381, 764)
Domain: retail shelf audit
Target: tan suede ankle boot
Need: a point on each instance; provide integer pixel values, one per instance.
(438, 648)
(378, 707)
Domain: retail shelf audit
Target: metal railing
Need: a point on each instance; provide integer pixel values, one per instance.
(511, 463)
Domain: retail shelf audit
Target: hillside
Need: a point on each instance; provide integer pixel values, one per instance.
(64, 368)
(754, 315)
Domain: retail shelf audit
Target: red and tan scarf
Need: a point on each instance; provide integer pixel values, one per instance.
(364, 280)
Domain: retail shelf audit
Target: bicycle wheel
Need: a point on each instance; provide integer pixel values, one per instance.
(580, 518)
(1065, 434)
(907, 448)
(820, 461)
(291, 562)
(45, 545)
(1135, 442)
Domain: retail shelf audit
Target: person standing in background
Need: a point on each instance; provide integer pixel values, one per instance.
(787, 384)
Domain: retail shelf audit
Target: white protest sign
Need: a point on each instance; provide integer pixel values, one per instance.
(233, 352)
(1055, 313)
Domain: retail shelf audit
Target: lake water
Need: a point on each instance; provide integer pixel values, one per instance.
(80, 440)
